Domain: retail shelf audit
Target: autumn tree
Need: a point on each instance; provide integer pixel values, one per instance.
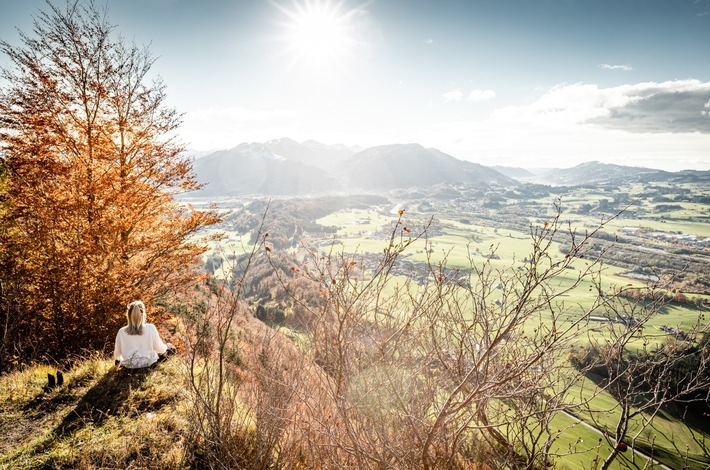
(93, 166)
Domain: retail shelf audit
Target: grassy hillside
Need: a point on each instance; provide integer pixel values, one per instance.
(101, 417)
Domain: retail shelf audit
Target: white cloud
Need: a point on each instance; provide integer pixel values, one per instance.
(481, 95)
(674, 106)
(429, 41)
(623, 68)
(561, 106)
(650, 107)
(530, 146)
(655, 125)
(453, 95)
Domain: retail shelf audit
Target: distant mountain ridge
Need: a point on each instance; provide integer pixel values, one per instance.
(514, 172)
(597, 173)
(255, 169)
(411, 165)
(310, 152)
(284, 167)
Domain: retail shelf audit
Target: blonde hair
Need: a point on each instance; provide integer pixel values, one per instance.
(136, 317)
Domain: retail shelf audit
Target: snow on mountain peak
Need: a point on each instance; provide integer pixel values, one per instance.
(256, 150)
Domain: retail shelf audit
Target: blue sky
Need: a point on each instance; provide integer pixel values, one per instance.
(531, 83)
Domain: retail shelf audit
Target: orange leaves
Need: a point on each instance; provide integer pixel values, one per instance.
(400, 212)
(408, 230)
(100, 180)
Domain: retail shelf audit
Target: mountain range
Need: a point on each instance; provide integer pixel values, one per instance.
(284, 167)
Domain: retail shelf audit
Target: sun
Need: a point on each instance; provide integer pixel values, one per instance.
(319, 33)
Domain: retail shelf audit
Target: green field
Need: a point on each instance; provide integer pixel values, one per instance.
(461, 244)
(501, 240)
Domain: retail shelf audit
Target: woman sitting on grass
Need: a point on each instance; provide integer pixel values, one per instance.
(138, 344)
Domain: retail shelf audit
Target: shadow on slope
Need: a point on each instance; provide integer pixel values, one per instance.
(106, 398)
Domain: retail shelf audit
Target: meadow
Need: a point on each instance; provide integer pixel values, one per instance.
(463, 245)
(640, 232)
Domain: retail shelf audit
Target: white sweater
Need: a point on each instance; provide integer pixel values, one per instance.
(136, 351)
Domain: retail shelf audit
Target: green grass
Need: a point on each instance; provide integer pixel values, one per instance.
(357, 221)
(581, 448)
(691, 218)
(669, 437)
(460, 244)
(102, 417)
(672, 224)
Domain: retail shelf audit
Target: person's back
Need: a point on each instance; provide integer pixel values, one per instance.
(138, 344)
(142, 350)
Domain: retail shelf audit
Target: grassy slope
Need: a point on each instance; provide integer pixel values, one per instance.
(102, 417)
(675, 443)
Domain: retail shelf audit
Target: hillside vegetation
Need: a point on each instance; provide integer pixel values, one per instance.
(479, 230)
(101, 417)
(353, 358)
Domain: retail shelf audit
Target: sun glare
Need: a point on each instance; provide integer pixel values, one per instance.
(319, 34)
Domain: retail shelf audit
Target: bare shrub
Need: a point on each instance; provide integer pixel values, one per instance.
(455, 368)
